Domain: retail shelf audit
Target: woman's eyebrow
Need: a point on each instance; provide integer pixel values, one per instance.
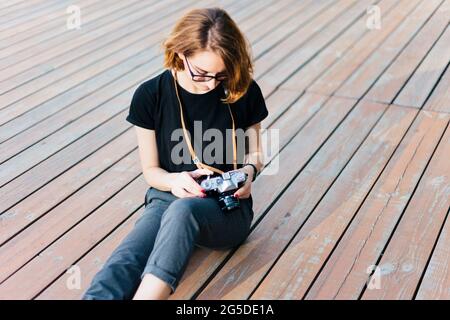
(201, 70)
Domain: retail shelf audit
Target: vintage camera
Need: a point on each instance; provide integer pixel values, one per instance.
(223, 187)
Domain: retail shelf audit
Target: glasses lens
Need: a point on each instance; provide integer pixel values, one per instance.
(207, 78)
(202, 78)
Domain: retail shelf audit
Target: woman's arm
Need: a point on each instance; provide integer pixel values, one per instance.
(181, 184)
(254, 156)
(148, 153)
(255, 153)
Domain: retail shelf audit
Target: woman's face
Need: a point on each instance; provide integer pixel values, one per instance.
(203, 63)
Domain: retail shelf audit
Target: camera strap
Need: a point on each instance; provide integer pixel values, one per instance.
(194, 157)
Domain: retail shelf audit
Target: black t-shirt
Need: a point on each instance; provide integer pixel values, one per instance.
(155, 106)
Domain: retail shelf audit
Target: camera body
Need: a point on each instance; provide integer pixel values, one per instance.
(223, 187)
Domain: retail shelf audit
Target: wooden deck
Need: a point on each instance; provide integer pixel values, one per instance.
(364, 180)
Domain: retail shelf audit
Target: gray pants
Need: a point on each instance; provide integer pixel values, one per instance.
(163, 239)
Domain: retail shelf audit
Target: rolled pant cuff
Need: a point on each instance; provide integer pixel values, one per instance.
(161, 274)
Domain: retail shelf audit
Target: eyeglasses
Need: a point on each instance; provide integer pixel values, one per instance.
(204, 78)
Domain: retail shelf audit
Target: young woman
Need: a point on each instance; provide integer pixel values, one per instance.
(206, 91)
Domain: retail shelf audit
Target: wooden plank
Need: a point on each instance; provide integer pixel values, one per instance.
(58, 163)
(296, 116)
(34, 70)
(330, 81)
(66, 42)
(249, 264)
(12, 5)
(89, 265)
(345, 273)
(366, 74)
(255, 13)
(331, 54)
(422, 82)
(16, 41)
(80, 85)
(35, 77)
(45, 148)
(409, 249)
(392, 80)
(302, 260)
(318, 21)
(50, 263)
(59, 122)
(39, 8)
(283, 70)
(19, 250)
(312, 244)
(278, 39)
(9, 36)
(277, 103)
(272, 18)
(436, 282)
(440, 98)
(50, 195)
(62, 93)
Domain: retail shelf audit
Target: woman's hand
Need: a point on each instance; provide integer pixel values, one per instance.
(184, 184)
(245, 191)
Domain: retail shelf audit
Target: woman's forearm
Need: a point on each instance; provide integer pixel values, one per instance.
(159, 178)
(256, 159)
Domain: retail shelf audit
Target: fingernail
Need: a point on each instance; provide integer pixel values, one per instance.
(237, 196)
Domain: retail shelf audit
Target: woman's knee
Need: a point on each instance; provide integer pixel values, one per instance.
(180, 210)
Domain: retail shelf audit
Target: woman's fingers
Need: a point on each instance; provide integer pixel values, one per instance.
(192, 186)
(182, 193)
(187, 194)
(241, 195)
(200, 172)
(244, 191)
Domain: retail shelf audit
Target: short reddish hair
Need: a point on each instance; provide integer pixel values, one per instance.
(212, 29)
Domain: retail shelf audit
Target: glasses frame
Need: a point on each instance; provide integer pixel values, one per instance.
(208, 77)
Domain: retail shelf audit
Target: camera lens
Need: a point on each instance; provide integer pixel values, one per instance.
(228, 202)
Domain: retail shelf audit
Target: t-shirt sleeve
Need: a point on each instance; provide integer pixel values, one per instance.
(142, 106)
(256, 108)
